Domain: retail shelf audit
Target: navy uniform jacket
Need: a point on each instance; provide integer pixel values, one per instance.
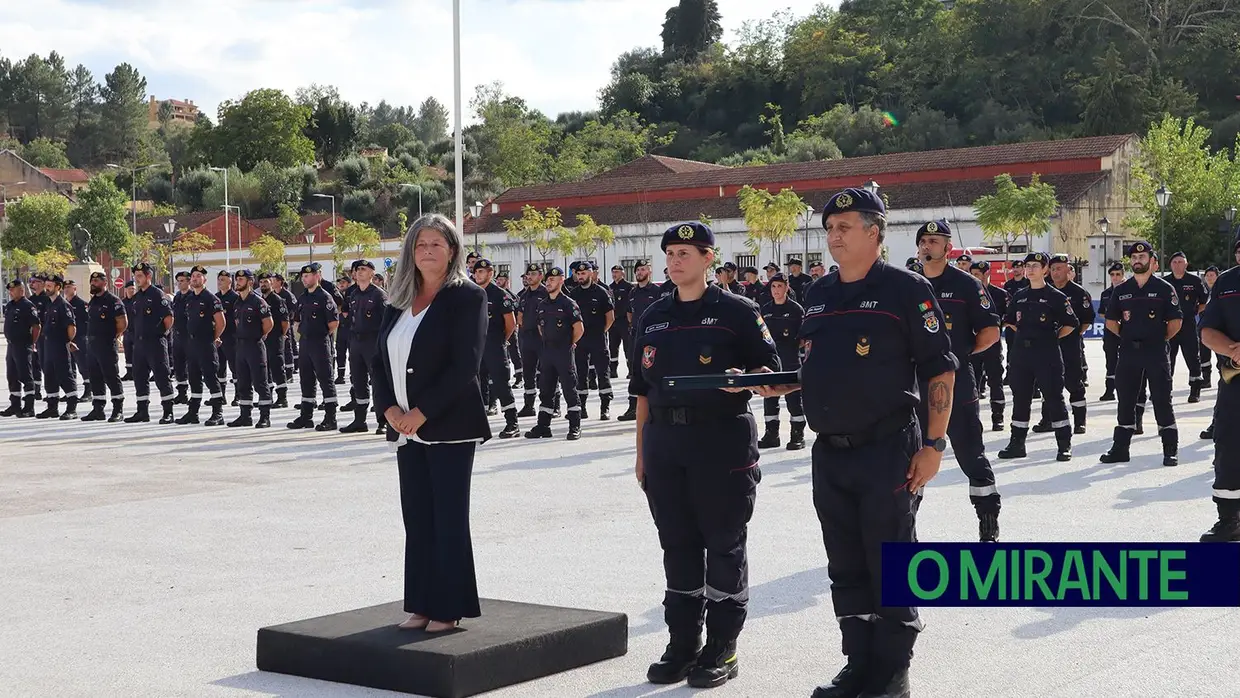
(1191, 291)
(315, 310)
(1038, 314)
(279, 314)
(290, 302)
(57, 317)
(641, 298)
(594, 302)
(1143, 312)
(228, 301)
(346, 314)
(20, 317)
(1014, 285)
(1082, 304)
(1222, 313)
(1104, 302)
(556, 317)
(366, 309)
(150, 307)
(867, 345)
(40, 301)
(79, 312)
(620, 291)
(102, 312)
(999, 300)
(200, 310)
(720, 331)
(784, 322)
(127, 304)
(799, 283)
(734, 287)
(967, 308)
(178, 313)
(527, 303)
(249, 313)
(499, 304)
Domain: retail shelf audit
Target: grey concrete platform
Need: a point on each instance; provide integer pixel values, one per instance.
(511, 643)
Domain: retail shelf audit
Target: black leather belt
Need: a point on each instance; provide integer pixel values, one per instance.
(887, 426)
(1146, 343)
(681, 416)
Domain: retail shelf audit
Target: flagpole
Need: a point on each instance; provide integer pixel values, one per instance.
(456, 112)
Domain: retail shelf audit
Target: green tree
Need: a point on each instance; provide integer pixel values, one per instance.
(432, 123)
(143, 248)
(101, 211)
(769, 217)
(542, 230)
(124, 114)
(589, 236)
(353, 239)
(45, 152)
(51, 261)
(38, 222)
(333, 128)
(289, 226)
(192, 245)
(690, 28)
(1116, 99)
(165, 113)
(264, 125)
(513, 140)
(83, 142)
(1013, 211)
(38, 96)
(601, 146)
(268, 251)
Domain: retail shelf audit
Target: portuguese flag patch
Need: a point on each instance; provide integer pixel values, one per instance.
(925, 307)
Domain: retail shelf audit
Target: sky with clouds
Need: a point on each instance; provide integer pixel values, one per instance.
(554, 53)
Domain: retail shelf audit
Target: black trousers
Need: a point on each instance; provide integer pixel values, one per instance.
(151, 359)
(557, 367)
(103, 369)
(1226, 489)
(36, 361)
(315, 364)
(180, 365)
(18, 369)
(592, 353)
(531, 348)
(964, 431)
(861, 504)
(1110, 349)
(514, 353)
(275, 362)
(988, 371)
(1043, 365)
(1187, 343)
(618, 336)
(440, 582)
(127, 345)
(1137, 367)
(362, 350)
(226, 360)
(202, 366)
(495, 365)
(701, 485)
(78, 359)
(291, 350)
(343, 340)
(57, 373)
(1072, 351)
(1204, 354)
(251, 372)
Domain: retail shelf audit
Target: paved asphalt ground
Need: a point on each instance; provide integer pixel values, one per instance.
(140, 560)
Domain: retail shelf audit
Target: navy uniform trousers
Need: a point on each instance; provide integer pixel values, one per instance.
(790, 359)
(1039, 363)
(36, 361)
(531, 348)
(362, 350)
(127, 345)
(1227, 449)
(1204, 354)
(151, 359)
(275, 360)
(251, 372)
(592, 353)
(1110, 349)
(103, 370)
(343, 340)
(964, 431)
(180, 366)
(291, 354)
(226, 360)
(1187, 343)
(315, 364)
(701, 485)
(58, 374)
(988, 371)
(557, 368)
(202, 366)
(514, 353)
(619, 337)
(1141, 364)
(1072, 353)
(18, 369)
(495, 365)
(862, 502)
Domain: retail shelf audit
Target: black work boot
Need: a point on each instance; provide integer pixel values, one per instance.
(1206, 382)
(27, 407)
(1194, 392)
(1063, 439)
(574, 426)
(128, 374)
(511, 429)
(771, 438)
(1225, 530)
(167, 417)
(631, 413)
(1109, 394)
(1016, 444)
(191, 417)
(615, 369)
(1208, 433)
(988, 526)
(716, 663)
(358, 425)
(96, 412)
(604, 407)
(217, 413)
(1140, 420)
(581, 412)
(1119, 449)
(796, 441)
(15, 406)
(996, 415)
(849, 683)
(329, 418)
(38, 392)
(281, 398)
(527, 410)
(52, 411)
(1043, 427)
(118, 410)
(541, 430)
(339, 375)
(182, 397)
(246, 418)
(381, 430)
(895, 687)
(70, 409)
(1078, 420)
(679, 657)
(141, 415)
(306, 419)
(1171, 446)
(264, 417)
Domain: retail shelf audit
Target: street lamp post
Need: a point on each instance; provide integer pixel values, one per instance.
(1104, 225)
(310, 241)
(133, 197)
(419, 188)
(333, 198)
(871, 186)
(170, 227)
(1230, 215)
(475, 211)
(227, 237)
(1162, 195)
(809, 213)
(4, 202)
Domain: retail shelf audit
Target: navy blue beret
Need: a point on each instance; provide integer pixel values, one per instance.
(917, 267)
(129, 284)
(1060, 259)
(57, 279)
(694, 233)
(1116, 266)
(965, 258)
(983, 267)
(1178, 254)
(555, 271)
(533, 269)
(1039, 257)
(939, 227)
(854, 199)
(779, 277)
(311, 268)
(182, 275)
(1211, 268)
(1141, 246)
(246, 273)
(15, 283)
(482, 264)
(363, 263)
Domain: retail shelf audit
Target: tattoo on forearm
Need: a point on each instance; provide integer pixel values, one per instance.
(940, 397)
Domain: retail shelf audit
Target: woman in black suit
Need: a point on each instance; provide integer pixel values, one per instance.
(426, 384)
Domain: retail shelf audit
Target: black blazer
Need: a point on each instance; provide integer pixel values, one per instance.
(441, 378)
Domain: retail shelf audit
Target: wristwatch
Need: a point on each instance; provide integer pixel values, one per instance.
(939, 444)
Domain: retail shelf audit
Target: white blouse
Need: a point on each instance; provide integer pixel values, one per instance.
(399, 344)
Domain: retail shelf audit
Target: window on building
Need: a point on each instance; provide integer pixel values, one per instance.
(1018, 249)
(503, 270)
(805, 259)
(746, 260)
(813, 257)
(630, 267)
